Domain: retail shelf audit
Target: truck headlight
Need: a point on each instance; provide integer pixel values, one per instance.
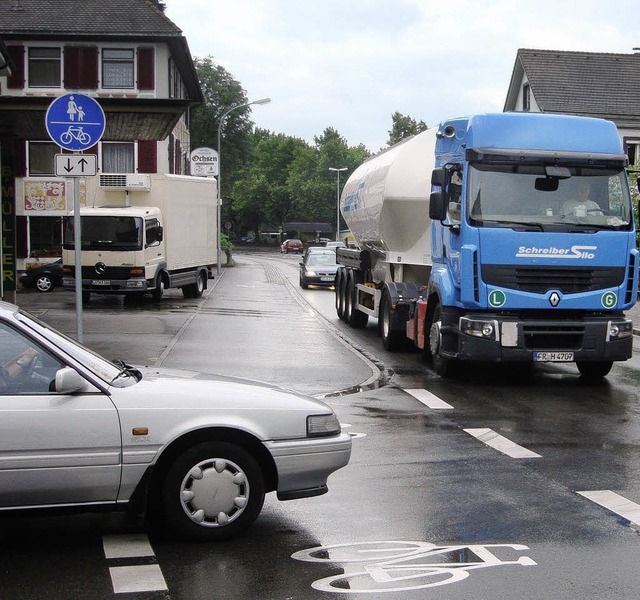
(618, 330)
(322, 425)
(481, 328)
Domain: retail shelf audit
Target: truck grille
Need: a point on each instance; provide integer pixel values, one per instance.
(539, 280)
(109, 273)
(552, 337)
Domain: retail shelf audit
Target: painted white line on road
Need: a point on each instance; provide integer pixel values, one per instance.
(138, 578)
(126, 546)
(615, 503)
(429, 399)
(502, 444)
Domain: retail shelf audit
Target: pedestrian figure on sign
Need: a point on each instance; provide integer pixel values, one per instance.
(80, 114)
(72, 109)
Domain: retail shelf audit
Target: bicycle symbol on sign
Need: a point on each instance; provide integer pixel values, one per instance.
(400, 566)
(75, 133)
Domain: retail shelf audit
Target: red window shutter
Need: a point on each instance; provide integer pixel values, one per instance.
(147, 157)
(15, 81)
(146, 69)
(20, 158)
(81, 68)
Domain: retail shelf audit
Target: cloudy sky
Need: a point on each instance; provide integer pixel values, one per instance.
(350, 64)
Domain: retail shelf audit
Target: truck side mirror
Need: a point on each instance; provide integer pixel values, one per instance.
(159, 236)
(437, 207)
(438, 177)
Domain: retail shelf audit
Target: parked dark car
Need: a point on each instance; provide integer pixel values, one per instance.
(44, 278)
(292, 246)
(318, 268)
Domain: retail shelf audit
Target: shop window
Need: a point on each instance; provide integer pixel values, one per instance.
(45, 235)
(117, 68)
(118, 157)
(44, 67)
(42, 158)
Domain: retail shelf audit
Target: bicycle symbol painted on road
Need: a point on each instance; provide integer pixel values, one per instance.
(75, 133)
(395, 566)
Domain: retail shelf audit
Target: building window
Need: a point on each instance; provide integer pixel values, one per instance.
(526, 97)
(44, 67)
(117, 68)
(45, 235)
(118, 157)
(42, 158)
(633, 152)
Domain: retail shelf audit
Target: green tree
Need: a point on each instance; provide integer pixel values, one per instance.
(403, 126)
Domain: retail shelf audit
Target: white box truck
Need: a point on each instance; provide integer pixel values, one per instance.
(144, 234)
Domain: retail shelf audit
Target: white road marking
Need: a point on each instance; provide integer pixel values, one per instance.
(501, 443)
(126, 546)
(138, 578)
(615, 503)
(429, 399)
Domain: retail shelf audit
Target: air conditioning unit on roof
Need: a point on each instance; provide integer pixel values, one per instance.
(130, 182)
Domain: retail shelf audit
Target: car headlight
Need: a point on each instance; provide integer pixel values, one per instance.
(310, 273)
(322, 425)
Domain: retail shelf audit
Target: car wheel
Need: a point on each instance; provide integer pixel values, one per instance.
(212, 491)
(44, 283)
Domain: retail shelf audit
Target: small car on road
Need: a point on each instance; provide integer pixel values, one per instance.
(199, 451)
(318, 268)
(292, 246)
(43, 277)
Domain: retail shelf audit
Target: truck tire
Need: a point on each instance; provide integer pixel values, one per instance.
(195, 290)
(212, 491)
(594, 370)
(341, 291)
(353, 316)
(443, 366)
(336, 289)
(392, 340)
(158, 290)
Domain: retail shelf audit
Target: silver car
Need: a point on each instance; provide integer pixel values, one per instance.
(200, 451)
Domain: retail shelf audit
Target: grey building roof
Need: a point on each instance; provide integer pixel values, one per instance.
(582, 83)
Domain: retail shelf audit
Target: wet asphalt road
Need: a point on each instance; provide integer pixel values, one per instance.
(427, 506)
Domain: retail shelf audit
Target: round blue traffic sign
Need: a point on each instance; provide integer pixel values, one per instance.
(75, 121)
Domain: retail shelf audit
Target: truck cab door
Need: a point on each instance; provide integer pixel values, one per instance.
(153, 245)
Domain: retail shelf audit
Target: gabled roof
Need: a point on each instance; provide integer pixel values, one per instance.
(582, 83)
(27, 18)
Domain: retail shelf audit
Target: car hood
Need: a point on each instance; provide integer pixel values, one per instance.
(192, 400)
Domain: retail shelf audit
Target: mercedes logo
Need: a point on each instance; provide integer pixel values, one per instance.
(100, 268)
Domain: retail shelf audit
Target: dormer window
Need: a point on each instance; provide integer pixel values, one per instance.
(118, 68)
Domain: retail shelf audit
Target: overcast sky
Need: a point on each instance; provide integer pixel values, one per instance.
(350, 64)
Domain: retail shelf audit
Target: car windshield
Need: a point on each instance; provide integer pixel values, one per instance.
(537, 198)
(100, 366)
(325, 260)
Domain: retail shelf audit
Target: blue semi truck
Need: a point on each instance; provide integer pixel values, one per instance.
(503, 238)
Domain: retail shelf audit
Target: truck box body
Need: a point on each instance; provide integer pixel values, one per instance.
(477, 244)
(122, 249)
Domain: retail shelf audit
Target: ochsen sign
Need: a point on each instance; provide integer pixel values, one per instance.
(204, 162)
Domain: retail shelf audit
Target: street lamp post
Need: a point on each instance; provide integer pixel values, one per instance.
(338, 171)
(222, 118)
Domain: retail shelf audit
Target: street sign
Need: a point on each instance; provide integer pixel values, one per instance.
(76, 165)
(204, 162)
(75, 121)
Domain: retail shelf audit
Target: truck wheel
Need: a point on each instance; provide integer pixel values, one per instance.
(343, 296)
(594, 370)
(159, 289)
(194, 290)
(444, 367)
(338, 292)
(355, 318)
(212, 491)
(391, 340)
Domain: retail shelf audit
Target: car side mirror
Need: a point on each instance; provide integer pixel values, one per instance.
(69, 381)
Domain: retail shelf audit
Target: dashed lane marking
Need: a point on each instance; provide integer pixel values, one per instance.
(126, 546)
(502, 444)
(429, 399)
(615, 503)
(137, 578)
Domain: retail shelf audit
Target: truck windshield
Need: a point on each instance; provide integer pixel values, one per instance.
(539, 198)
(106, 233)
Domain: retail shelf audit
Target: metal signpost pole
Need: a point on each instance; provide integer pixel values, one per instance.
(338, 171)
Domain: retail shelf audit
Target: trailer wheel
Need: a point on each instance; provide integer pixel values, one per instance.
(338, 293)
(392, 340)
(594, 370)
(353, 316)
(342, 294)
(443, 366)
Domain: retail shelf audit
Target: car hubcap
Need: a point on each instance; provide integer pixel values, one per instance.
(43, 284)
(214, 493)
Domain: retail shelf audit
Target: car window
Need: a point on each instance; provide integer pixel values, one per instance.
(316, 260)
(25, 367)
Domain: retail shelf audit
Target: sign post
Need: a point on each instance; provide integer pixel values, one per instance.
(76, 122)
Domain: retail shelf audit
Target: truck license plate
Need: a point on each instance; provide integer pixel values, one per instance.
(553, 356)
(100, 282)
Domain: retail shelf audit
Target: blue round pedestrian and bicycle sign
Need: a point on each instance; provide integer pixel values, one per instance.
(75, 121)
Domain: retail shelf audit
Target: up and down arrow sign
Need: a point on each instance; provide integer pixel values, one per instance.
(76, 165)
